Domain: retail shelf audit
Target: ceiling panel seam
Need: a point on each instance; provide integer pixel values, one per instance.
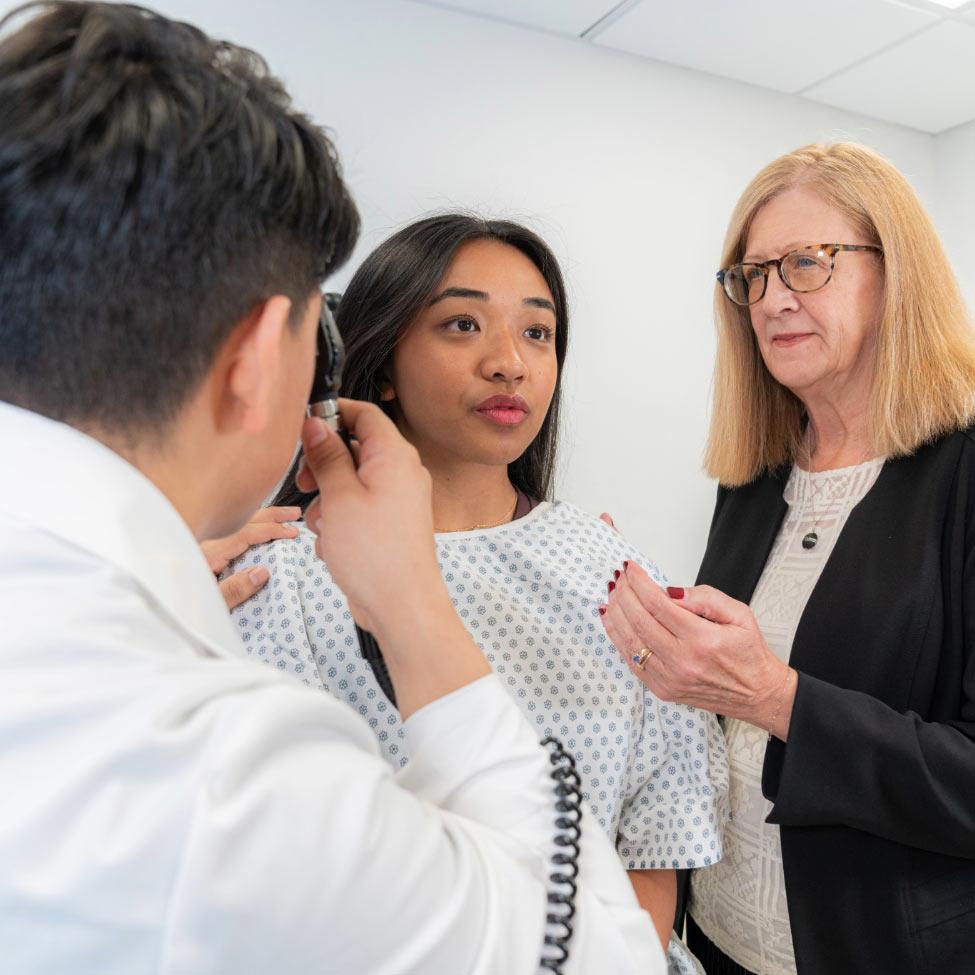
(608, 18)
(869, 57)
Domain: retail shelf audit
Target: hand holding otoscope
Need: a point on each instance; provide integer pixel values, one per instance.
(324, 404)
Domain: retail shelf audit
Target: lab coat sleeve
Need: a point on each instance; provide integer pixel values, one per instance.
(306, 853)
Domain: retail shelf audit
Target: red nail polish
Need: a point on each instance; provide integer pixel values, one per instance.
(602, 610)
(611, 586)
(675, 592)
(626, 565)
(616, 573)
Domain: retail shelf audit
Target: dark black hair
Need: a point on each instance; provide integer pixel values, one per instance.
(394, 284)
(155, 186)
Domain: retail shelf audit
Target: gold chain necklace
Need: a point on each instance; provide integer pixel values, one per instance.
(473, 528)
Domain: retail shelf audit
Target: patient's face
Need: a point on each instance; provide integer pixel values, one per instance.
(472, 378)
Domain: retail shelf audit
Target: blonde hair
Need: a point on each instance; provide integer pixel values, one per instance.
(924, 374)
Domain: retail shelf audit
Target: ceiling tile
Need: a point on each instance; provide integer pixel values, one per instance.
(928, 82)
(561, 16)
(776, 45)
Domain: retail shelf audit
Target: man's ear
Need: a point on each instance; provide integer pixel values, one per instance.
(252, 367)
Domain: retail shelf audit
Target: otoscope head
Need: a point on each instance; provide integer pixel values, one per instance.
(331, 354)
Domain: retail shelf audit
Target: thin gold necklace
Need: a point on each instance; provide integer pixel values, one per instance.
(495, 524)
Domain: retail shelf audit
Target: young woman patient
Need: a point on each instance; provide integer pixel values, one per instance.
(458, 327)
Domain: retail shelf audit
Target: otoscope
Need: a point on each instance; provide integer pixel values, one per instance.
(324, 399)
(324, 402)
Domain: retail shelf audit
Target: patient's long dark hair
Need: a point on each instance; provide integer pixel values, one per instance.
(393, 285)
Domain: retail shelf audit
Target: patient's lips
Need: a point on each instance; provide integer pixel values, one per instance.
(506, 411)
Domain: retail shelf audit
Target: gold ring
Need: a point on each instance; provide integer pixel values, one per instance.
(641, 661)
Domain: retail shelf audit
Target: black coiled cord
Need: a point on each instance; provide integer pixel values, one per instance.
(568, 822)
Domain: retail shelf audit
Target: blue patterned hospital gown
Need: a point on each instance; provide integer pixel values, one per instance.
(655, 774)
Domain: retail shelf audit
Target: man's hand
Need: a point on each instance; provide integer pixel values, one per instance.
(265, 525)
(374, 522)
(375, 530)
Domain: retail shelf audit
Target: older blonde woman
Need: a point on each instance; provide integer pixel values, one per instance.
(834, 620)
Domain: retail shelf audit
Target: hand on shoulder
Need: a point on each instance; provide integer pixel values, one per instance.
(265, 525)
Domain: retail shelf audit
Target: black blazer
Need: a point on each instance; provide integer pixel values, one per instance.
(875, 790)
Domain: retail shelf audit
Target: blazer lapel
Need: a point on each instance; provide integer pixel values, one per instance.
(746, 522)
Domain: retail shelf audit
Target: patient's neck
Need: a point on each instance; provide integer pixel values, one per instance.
(471, 495)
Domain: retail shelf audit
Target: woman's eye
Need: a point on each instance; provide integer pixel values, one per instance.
(465, 325)
(539, 333)
(809, 262)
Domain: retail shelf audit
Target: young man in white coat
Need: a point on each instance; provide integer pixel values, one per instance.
(166, 220)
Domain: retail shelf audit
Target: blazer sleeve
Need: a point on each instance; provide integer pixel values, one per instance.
(851, 760)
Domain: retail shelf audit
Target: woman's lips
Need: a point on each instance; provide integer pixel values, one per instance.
(788, 339)
(507, 411)
(505, 416)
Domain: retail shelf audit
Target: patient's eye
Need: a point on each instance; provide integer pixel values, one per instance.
(465, 325)
(540, 333)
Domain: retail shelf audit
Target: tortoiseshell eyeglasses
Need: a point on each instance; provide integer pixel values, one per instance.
(806, 269)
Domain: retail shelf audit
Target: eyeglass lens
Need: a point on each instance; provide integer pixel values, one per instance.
(803, 270)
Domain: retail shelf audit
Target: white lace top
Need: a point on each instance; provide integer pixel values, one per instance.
(740, 903)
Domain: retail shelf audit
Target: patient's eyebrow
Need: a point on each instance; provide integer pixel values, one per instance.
(460, 293)
(484, 296)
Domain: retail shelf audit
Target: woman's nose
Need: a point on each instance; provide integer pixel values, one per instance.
(778, 298)
(504, 363)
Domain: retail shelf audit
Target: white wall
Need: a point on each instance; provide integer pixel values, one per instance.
(628, 167)
(955, 168)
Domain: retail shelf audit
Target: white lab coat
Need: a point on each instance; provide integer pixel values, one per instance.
(169, 807)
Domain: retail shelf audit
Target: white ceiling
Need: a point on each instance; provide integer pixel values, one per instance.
(572, 17)
(906, 61)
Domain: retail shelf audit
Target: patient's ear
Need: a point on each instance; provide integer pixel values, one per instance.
(387, 391)
(252, 368)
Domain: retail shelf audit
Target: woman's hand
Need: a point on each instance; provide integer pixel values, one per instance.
(707, 650)
(265, 525)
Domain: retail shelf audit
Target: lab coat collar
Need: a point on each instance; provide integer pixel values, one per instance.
(70, 485)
